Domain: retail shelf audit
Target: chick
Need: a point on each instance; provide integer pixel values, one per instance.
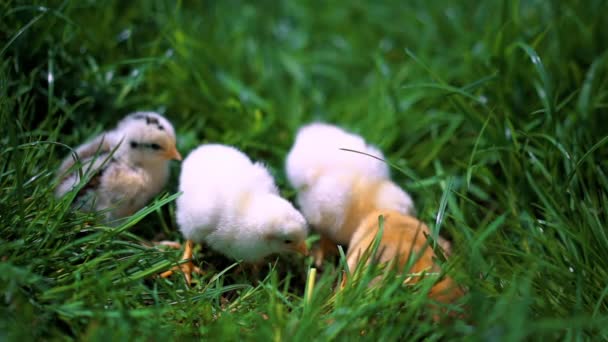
(338, 188)
(402, 237)
(233, 205)
(129, 165)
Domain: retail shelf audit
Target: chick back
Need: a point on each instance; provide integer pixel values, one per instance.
(320, 148)
(337, 203)
(403, 237)
(217, 183)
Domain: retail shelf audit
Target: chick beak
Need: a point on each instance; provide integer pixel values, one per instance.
(173, 154)
(301, 248)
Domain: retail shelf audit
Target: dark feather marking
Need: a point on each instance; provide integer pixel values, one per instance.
(95, 180)
(149, 121)
(93, 183)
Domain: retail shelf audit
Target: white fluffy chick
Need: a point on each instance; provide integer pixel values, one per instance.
(233, 205)
(338, 188)
(127, 165)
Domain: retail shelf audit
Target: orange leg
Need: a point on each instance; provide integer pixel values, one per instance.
(343, 282)
(323, 248)
(186, 268)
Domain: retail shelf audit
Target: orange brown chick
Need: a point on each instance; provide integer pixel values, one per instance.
(403, 237)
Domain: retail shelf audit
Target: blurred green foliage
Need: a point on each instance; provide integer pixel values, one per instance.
(494, 112)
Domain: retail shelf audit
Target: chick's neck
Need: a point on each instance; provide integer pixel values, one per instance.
(362, 202)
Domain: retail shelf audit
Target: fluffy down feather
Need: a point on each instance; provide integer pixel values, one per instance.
(317, 150)
(125, 167)
(233, 205)
(337, 188)
(403, 237)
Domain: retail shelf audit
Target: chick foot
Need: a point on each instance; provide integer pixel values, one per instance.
(186, 268)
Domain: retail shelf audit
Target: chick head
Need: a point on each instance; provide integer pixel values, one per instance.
(284, 228)
(146, 137)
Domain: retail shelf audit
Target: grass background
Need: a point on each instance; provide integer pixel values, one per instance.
(494, 112)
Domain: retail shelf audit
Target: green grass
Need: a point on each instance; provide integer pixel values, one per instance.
(493, 114)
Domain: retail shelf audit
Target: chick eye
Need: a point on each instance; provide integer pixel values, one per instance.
(287, 241)
(134, 144)
(155, 146)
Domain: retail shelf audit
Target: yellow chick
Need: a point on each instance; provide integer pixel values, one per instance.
(338, 188)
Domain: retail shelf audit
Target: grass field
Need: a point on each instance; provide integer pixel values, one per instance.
(493, 113)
